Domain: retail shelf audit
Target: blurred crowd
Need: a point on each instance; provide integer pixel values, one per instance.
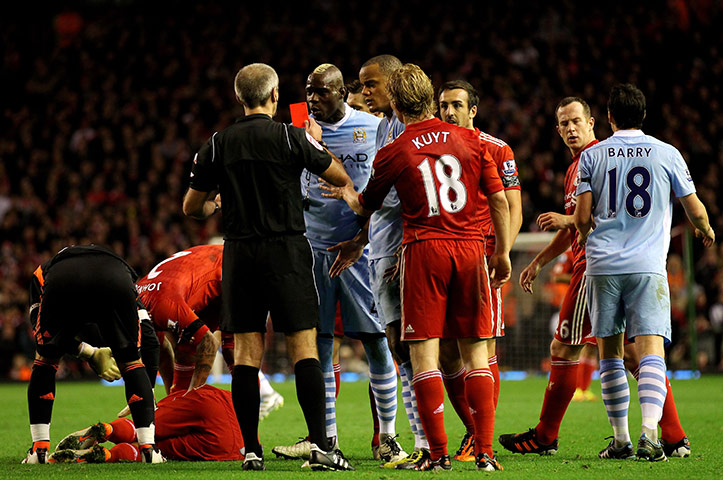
(104, 106)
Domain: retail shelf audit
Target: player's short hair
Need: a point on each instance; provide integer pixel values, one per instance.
(411, 91)
(254, 82)
(387, 63)
(567, 101)
(354, 86)
(472, 95)
(626, 105)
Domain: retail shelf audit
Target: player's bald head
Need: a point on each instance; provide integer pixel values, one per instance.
(329, 74)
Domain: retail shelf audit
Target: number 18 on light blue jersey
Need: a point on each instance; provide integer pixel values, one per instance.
(633, 178)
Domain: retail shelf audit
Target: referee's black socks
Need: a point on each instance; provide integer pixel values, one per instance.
(246, 399)
(311, 393)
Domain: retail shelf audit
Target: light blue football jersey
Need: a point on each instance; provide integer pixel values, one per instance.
(633, 178)
(385, 226)
(352, 140)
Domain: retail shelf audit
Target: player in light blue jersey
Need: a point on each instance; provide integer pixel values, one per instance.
(385, 237)
(625, 191)
(341, 268)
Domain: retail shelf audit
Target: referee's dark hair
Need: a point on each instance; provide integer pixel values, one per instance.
(254, 83)
(626, 106)
(472, 95)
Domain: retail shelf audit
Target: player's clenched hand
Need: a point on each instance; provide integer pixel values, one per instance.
(528, 276)
(313, 129)
(349, 252)
(500, 269)
(708, 237)
(104, 365)
(553, 221)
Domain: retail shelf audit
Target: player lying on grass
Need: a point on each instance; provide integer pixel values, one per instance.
(199, 424)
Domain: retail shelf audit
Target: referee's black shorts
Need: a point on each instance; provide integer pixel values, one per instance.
(273, 275)
(86, 289)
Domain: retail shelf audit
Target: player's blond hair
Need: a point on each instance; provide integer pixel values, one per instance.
(411, 91)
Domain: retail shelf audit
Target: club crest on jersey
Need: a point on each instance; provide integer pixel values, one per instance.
(360, 135)
(508, 168)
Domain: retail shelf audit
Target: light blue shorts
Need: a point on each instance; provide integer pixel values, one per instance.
(351, 290)
(636, 303)
(386, 295)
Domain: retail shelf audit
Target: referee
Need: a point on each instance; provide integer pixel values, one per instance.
(255, 164)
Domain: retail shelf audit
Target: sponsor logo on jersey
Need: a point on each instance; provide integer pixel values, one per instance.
(360, 135)
(509, 167)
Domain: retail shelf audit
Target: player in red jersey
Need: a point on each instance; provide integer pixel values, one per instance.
(199, 424)
(458, 101)
(441, 172)
(183, 295)
(575, 125)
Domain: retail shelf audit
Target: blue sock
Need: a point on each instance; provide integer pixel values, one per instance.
(383, 379)
(326, 348)
(616, 396)
(652, 392)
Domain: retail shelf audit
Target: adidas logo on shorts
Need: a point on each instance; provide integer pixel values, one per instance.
(409, 329)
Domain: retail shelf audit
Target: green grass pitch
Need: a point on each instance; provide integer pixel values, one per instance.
(700, 404)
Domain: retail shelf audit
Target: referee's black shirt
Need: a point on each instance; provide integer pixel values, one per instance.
(256, 164)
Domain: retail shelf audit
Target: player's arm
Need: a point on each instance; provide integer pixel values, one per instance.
(198, 205)
(205, 356)
(349, 251)
(500, 266)
(549, 221)
(698, 216)
(583, 216)
(165, 361)
(557, 246)
(514, 200)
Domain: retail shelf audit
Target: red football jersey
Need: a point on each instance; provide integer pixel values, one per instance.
(503, 157)
(180, 287)
(441, 173)
(571, 181)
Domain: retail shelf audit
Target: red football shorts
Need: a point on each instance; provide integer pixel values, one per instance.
(445, 290)
(498, 314)
(573, 326)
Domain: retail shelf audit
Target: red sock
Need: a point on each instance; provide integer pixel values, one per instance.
(429, 389)
(124, 451)
(182, 375)
(455, 386)
(480, 390)
(670, 429)
(337, 377)
(122, 431)
(585, 371)
(375, 417)
(559, 392)
(495, 369)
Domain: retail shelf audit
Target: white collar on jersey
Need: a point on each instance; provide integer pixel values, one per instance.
(628, 133)
(334, 126)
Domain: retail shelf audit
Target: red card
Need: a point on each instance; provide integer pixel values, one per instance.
(299, 114)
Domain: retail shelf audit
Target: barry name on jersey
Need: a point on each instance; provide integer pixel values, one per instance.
(629, 152)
